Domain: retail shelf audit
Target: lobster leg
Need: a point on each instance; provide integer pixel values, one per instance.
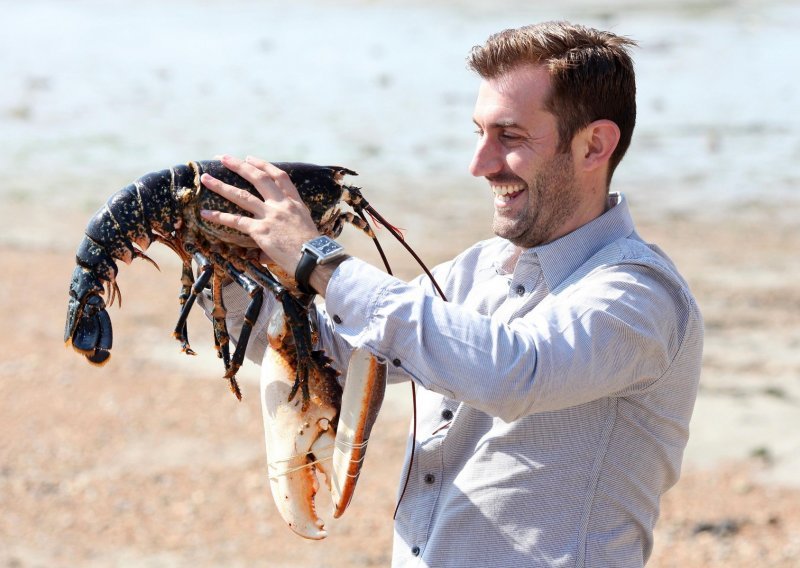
(187, 281)
(295, 312)
(189, 295)
(221, 338)
(256, 294)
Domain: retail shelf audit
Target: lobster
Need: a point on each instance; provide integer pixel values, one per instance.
(165, 207)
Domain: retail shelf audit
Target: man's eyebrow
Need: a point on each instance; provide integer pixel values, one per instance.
(507, 123)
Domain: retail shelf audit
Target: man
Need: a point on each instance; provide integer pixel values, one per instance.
(559, 380)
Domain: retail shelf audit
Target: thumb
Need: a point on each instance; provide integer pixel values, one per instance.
(264, 258)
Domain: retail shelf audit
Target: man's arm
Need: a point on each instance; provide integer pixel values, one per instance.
(615, 334)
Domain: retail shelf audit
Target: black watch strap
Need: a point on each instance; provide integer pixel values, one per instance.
(307, 264)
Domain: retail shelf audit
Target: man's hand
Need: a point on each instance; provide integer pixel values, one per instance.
(279, 225)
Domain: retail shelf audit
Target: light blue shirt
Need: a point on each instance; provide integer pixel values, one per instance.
(559, 382)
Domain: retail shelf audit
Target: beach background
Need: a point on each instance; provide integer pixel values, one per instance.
(150, 461)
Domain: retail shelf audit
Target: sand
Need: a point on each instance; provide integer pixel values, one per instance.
(150, 461)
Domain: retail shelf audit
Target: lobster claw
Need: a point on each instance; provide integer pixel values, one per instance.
(361, 401)
(320, 437)
(299, 441)
(88, 324)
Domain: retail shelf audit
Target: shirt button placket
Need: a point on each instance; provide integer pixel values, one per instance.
(424, 487)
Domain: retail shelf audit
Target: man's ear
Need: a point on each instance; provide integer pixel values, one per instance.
(596, 142)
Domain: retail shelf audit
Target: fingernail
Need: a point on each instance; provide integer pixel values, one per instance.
(205, 213)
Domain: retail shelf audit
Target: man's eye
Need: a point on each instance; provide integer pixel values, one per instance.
(479, 132)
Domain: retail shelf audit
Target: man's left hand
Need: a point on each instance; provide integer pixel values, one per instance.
(279, 225)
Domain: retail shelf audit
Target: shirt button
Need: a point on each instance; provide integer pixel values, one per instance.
(396, 362)
(337, 319)
(429, 478)
(447, 414)
(520, 290)
(415, 551)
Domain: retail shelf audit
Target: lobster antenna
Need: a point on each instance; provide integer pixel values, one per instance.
(375, 240)
(413, 444)
(389, 227)
(403, 242)
(399, 237)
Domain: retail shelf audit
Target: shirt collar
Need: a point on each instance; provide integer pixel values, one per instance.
(563, 256)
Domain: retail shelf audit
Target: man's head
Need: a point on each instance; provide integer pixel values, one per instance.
(591, 75)
(555, 113)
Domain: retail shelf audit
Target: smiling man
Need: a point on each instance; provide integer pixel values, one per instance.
(559, 380)
(538, 197)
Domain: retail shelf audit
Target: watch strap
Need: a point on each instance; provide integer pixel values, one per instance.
(307, 264)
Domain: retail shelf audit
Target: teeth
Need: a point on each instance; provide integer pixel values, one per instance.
(501, 190)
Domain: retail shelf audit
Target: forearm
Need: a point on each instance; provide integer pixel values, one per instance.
(322, 274)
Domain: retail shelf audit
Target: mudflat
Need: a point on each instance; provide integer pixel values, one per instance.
(151, 461)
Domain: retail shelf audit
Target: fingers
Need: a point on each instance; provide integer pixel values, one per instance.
(240, 197)
(269, 169)
(264, 258)
(280, 177)
(268, 180)
(272, 183)
(232, 220)
(257, 162)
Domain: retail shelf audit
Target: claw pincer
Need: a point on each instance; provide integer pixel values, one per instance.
(331, 435)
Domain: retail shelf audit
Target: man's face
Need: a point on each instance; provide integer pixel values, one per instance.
(535, 189)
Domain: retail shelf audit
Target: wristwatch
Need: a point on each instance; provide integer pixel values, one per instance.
(316, 251)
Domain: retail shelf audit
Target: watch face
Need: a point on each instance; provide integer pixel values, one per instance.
(325, 247)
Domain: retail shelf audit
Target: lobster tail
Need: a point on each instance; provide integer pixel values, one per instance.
(155, 194)
(88, 324)
(92, 335)
(118, 230)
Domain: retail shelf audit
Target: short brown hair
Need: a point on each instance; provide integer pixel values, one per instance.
(591, 74)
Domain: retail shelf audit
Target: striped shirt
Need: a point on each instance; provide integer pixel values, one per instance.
(558, 385)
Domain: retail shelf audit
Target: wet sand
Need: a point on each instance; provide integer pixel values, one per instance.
(150, 461)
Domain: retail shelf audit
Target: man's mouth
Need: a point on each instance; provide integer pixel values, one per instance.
(504, 193)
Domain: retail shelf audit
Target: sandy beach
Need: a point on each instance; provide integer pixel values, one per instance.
(150, 461)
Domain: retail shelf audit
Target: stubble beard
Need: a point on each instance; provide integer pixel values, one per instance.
(553, 196)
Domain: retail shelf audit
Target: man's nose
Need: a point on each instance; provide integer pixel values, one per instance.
(487, 160)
